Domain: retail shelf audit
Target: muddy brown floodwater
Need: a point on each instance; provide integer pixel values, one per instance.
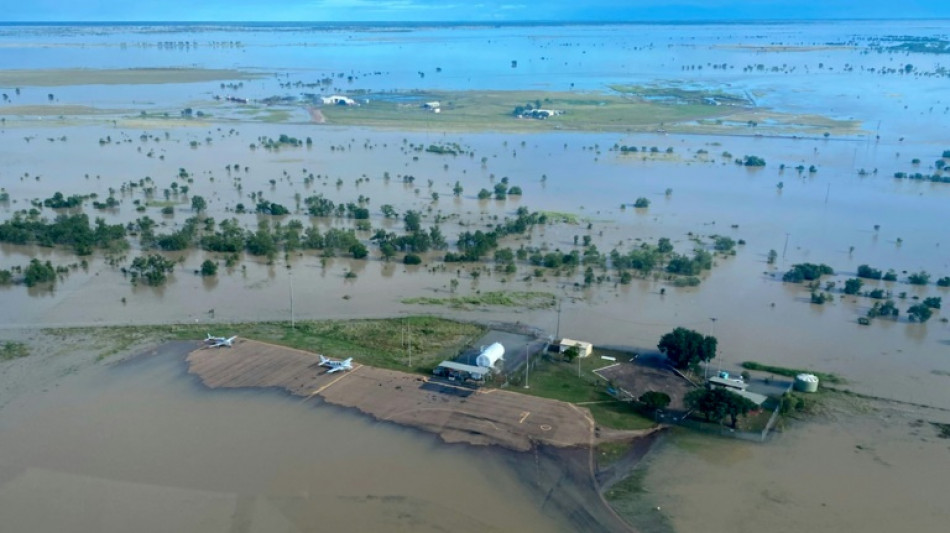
(142, 446)
(885, 471)
(122, 448)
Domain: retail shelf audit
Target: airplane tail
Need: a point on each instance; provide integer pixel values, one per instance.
(323, 359)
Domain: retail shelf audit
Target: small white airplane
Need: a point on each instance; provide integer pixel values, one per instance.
(336, 366)
(218, 342)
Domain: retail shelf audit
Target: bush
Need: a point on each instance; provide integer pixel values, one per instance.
(919, 313)
(412, 259)
(641, 203)
(687, 281)
(807, 272)
(864, 271)
(209, 268)
(887, 309)
(753, 161)
(853, 286)
(919, 278)
(37, 272)
(724, 244)
(655, 400)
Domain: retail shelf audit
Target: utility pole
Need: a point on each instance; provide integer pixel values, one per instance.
(557, 332)
(292, 323)
(527, 367)
(409, 338)
(785, 248)
(713, 335)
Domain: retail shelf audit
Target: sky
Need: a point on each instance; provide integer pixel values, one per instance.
(465, 11)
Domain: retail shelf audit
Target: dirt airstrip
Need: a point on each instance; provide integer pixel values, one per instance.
(456, 414)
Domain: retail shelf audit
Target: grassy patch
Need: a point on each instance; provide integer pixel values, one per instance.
(530, 300)
(56, 110)
(125, 76)
(619, 415)
(377, 342)
(791, 372)
(609, 452)
(558, 216)
(559, 381)
(680, 95)
(631, 500)
(492, 110)
(10, 350)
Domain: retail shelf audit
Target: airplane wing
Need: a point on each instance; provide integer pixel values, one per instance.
(335, 369)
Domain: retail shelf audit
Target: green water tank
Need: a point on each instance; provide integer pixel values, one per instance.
(806, 383)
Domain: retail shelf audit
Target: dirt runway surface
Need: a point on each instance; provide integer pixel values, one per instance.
(511, 420)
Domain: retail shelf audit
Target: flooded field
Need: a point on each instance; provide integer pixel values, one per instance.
(819, 198)
(144, 446)
(865, 473)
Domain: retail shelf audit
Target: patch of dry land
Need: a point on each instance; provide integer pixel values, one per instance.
(129, 76)
(456, 414)
(55, 110)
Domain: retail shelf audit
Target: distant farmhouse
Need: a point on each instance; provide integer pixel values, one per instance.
(337, 99)
(435, 107)
(541, 114)
(535, 111)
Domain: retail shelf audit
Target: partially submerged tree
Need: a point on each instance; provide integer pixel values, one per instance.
(686, 348)
(919, 313)
(717, 403)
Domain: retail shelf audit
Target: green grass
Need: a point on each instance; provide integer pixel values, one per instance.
(492, 110)
(611, 452)
(10, 350)
(559, 381)
(619, 415)
(680, 95)
(791, 372)
(377, 342)
(559, 216)
(632, 501)
(530, 300)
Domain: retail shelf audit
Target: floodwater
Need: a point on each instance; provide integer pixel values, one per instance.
(144, 447)
(834, 216)
(821, 216)
(884, 472)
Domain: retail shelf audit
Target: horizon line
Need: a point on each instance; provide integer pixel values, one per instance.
(488, 22)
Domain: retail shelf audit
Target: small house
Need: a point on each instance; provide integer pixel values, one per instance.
(584, 348)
